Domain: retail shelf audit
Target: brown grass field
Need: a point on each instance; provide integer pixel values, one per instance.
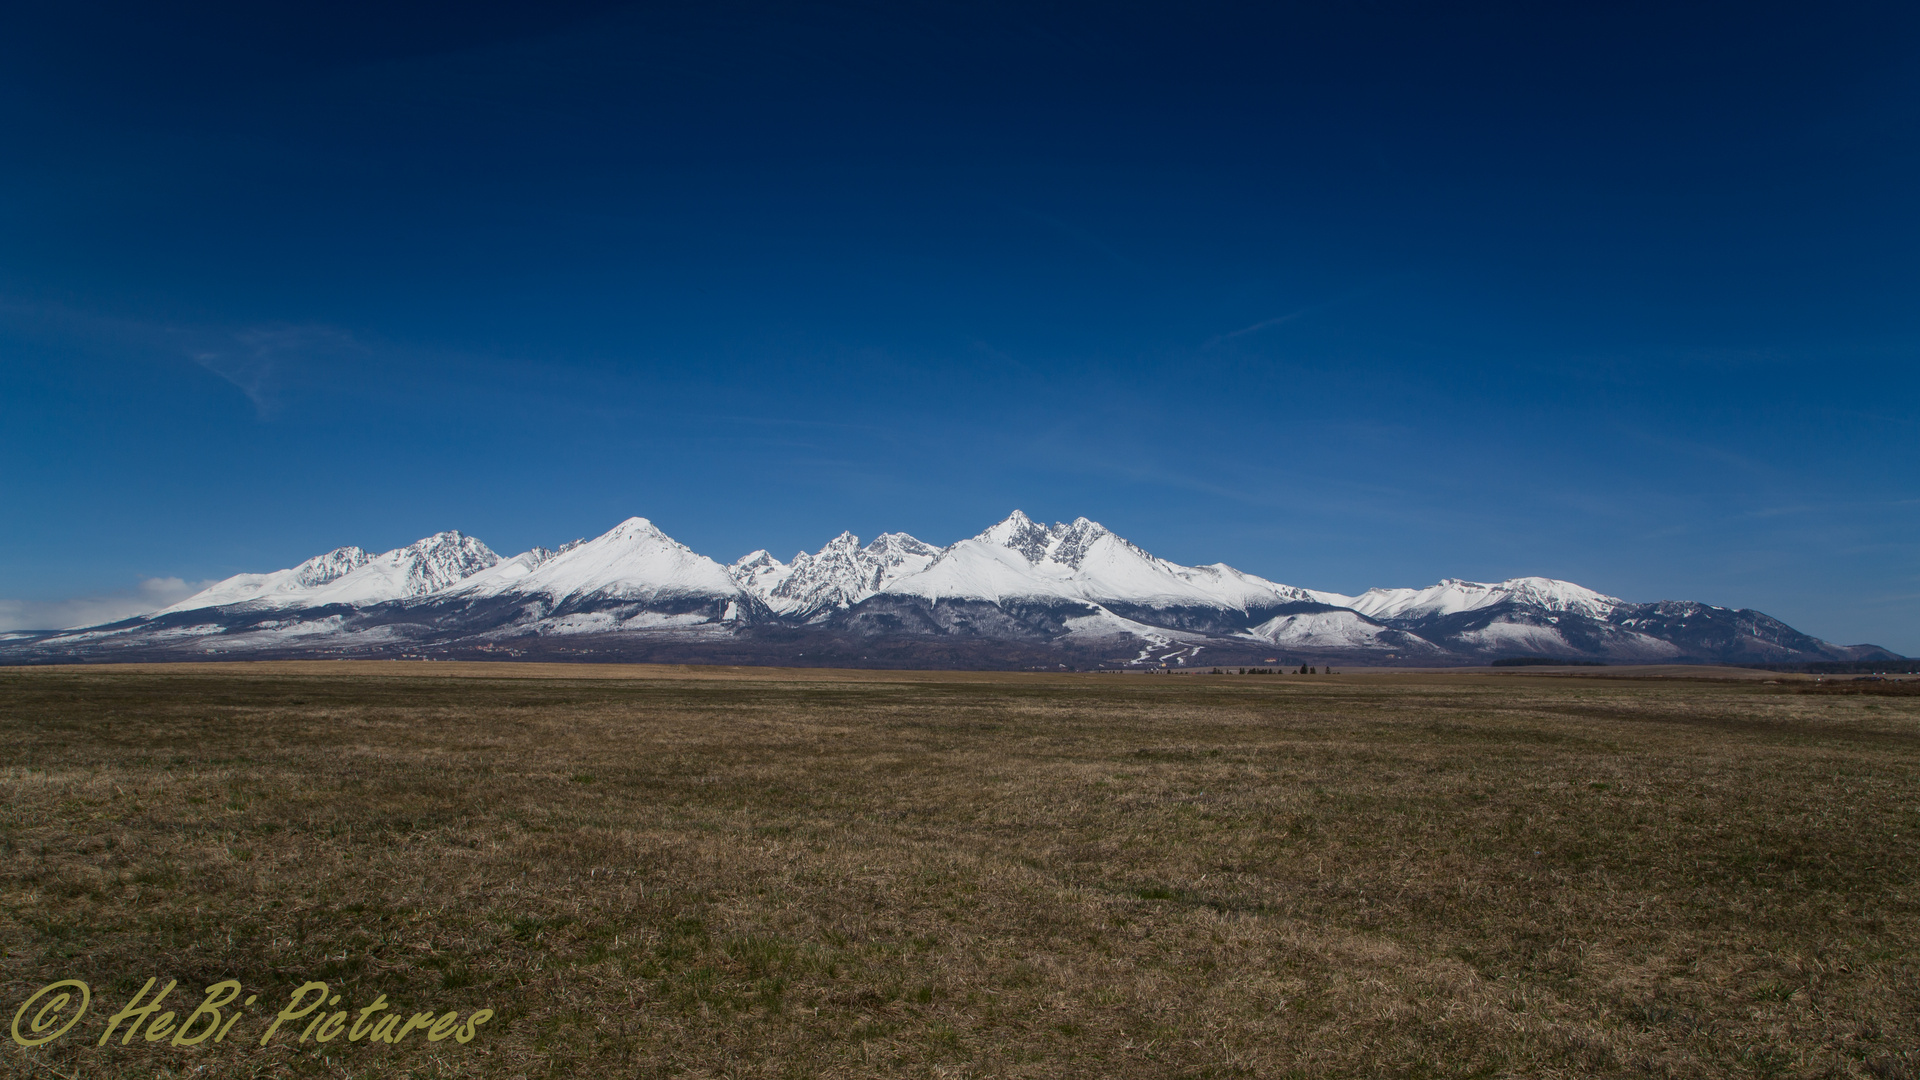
(707, 873)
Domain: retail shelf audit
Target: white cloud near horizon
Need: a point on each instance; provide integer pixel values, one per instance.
(152, 594)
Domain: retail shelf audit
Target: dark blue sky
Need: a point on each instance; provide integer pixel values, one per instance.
(1345, 295)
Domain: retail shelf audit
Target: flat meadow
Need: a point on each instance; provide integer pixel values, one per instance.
(656, 871)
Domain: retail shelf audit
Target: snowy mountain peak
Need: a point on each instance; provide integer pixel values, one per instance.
(831, 578)
(759, 573)
(1084, 562)
(332, 566)
(424, 566)
(634, 560)
(755, 560)
(350, 576)
(1070, 543)
(839, 575)
(1022, 534)
(1454, 595)
(1077, 584)
(1064, 545)
(900, 544)
(635, 529)
(894, 555)
(434, 563)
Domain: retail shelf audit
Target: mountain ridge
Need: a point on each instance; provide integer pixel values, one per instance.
(1070, 594)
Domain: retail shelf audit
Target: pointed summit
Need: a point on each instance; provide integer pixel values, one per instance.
(846, 541)
(422, 567)
(827, 579)
(755, 561)
(1071, 542)
(1084, 561)
(635, 528)
(758, 572)
(350, 576)
(279, 587)
(839, 575)
(634, 560)
(332, 566)
(1022, 534)
(425, 566)
(893, 555)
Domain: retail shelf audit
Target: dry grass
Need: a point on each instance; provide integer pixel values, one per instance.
(669, 872)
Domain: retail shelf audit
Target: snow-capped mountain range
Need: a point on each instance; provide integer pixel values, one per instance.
(1019, 594)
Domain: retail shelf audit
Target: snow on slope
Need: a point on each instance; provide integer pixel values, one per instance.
(759, 573)
(1337, 630)
(349, 575)
(839, 575)
(422, 567)
(502, 575)
(612, 583)
(1453, 595)
(632, 561)
(894, 555)
(1502, 635)
(978, 570)
(1085, 561)
(268, 588)
(833, 578)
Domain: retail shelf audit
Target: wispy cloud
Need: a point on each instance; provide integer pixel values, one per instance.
(262, 360)
(1282, 320)
(1263, 324)
(151, 594)
(258, 360)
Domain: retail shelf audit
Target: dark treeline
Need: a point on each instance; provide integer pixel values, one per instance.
(1908, 666)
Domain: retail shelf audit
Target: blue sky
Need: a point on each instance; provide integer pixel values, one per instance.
(1342, 294)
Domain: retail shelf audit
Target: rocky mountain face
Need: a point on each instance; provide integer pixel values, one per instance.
(349, 576)
(1019, 594)
(840, 575)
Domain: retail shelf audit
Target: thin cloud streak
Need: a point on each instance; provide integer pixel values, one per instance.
(262, 360)
(1281, 320)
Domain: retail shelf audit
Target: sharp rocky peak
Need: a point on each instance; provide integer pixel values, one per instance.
(637, 528)
(893, 555)
(1071, 542)
(757, 559)
(442, 559)
(1063, 544)
(1022, 534)
(332, 566)
(840, 574)
(900, 543)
